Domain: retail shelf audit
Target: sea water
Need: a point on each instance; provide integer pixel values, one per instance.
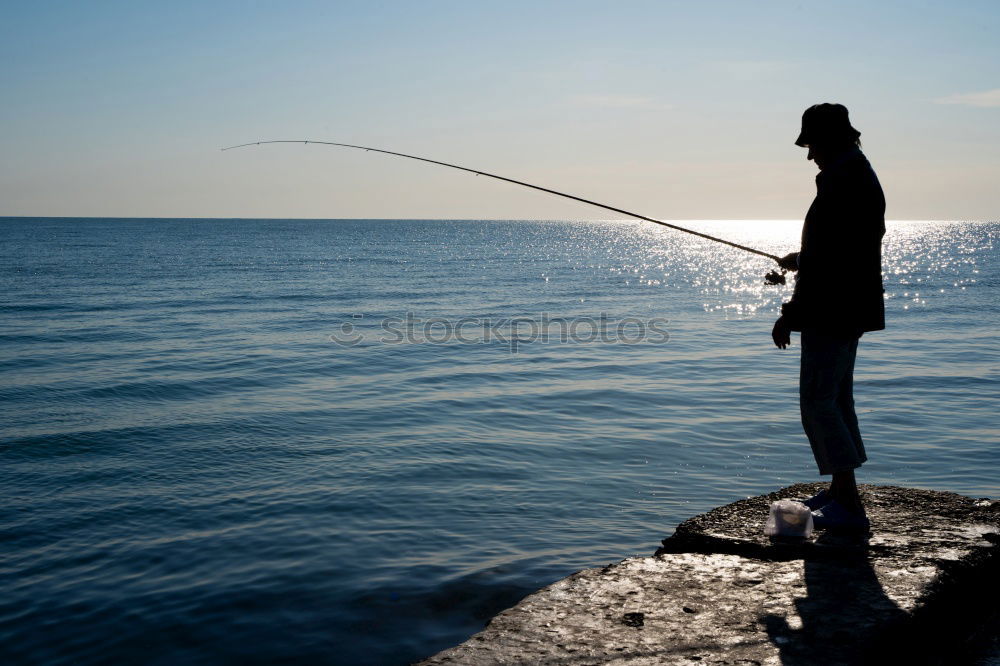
(350, 442)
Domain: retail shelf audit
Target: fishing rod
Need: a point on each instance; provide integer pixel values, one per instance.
(771, 278)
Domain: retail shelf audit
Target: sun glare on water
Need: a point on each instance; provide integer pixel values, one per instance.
(920, 260)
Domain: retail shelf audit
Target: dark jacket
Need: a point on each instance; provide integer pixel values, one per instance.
(839, 284)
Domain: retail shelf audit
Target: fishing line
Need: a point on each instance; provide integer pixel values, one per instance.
(771, 278)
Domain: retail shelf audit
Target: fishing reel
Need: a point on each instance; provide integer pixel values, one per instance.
(774, 277)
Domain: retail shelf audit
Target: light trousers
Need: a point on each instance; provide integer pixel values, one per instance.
(826, 401)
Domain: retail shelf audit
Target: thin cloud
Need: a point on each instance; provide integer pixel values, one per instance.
(622, 102)
(982, 99)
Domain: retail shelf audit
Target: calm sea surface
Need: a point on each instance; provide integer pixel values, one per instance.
(193, 470)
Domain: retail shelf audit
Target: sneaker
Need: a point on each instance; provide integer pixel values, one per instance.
(817, 501)
(834, 516)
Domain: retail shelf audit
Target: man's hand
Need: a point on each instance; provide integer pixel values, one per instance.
(781, 334)
(790, 262)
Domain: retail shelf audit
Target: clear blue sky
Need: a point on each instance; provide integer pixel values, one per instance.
(676, 109)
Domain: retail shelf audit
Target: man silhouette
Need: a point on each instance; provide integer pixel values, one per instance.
(837, 297)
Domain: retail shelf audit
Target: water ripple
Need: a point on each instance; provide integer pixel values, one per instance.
(194, 473)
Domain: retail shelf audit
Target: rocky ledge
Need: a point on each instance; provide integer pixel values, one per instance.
(921, 589)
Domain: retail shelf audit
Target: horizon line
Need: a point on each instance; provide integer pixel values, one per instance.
(445, 219)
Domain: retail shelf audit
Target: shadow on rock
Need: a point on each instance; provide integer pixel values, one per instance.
(843, 603)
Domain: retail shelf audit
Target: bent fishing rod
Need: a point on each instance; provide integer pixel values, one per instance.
(771, 278)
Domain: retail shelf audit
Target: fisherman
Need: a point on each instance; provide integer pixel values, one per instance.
(838, 296)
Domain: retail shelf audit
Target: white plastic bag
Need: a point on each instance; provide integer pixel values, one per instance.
(789, 518)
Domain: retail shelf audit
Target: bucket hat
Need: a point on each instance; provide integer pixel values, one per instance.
(826, 123)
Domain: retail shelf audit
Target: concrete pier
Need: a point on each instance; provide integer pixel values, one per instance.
(921, 589)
